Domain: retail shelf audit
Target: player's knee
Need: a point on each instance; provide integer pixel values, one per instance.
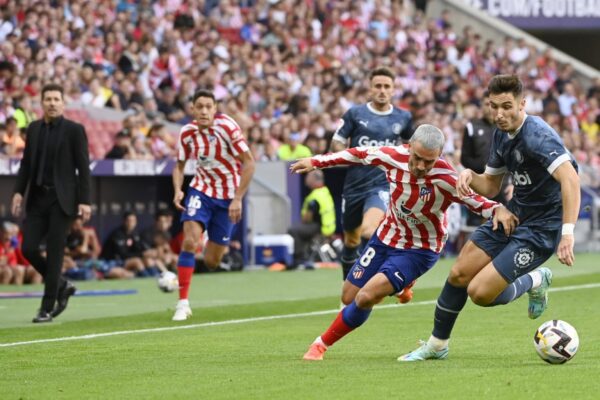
(479, 295)
(366, 300)
(458, 278)
(189, 245)
(352, 242)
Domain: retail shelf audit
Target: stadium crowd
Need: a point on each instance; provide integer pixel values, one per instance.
(285, 70)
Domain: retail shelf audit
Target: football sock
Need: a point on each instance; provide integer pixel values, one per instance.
(515, 289)
(185, 270)
(348, 258)
(350, 318)
(449, 304)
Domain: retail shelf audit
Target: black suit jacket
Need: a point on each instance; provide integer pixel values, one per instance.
(71, 164)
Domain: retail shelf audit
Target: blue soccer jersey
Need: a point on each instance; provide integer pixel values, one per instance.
(365, 126)
(531, 156)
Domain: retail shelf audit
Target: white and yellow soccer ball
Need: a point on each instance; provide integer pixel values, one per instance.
(168, 282)
(556, 341)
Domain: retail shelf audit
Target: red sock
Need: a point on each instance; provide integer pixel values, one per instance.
(184, 274)
(336, 331)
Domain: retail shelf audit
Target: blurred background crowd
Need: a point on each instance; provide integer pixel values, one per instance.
(285, 70)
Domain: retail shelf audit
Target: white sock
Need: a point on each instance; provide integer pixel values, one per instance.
(536, 277)
(320, 341)
(184, 302)
(437, 344)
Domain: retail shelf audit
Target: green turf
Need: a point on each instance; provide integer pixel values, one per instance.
(492, 356)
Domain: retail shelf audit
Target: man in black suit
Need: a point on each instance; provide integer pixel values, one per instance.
(55, 172)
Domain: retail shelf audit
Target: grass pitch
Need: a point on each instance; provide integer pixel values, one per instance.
(250, 329)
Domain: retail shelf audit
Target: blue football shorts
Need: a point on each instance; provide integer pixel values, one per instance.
(353, 208)
(400, 266)
(212, 213)
(515, 255)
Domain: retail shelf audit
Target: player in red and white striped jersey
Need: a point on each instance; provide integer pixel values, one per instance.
(408, 241)
(224, 169)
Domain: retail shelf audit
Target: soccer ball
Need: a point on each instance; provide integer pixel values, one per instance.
(168, 282)
(556, 341)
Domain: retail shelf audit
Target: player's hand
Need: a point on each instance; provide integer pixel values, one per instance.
(235, 210)
(302, 166)
(177, 199)
(85, 210)
(565, 250)
(16, 205)
(462, 184)
(508, 220)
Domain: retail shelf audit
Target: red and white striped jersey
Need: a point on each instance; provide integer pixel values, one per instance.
(216, 151)
(416, 217)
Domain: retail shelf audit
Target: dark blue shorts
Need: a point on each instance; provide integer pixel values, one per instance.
(212, 213)
(353, 208)
(515, 255)
(400, 266)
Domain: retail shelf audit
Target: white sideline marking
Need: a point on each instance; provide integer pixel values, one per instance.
(245, 320)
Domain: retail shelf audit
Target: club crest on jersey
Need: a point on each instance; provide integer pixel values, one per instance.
(396, 128)
(358, 272)
(523, 258)
(518, 156)
(425, 194)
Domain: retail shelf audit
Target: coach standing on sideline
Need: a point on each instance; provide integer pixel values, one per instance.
(55, 168)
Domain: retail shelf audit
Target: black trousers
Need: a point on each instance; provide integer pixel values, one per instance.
(46, 219)
(303, 233)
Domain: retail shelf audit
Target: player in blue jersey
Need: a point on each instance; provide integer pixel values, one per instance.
(366, 190)
(492, 268)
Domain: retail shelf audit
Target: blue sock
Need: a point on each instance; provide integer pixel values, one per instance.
(354, 316)
(513, 291)
(449, 305)
(348, 258)
(186, 259)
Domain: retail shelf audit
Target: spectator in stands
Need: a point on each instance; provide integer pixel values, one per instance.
(10, 270)
(161, 142)
(123, 147)
(124, 247)
(12, 143)
(292, 148)
(318, 218)
(156, 241)
(83, 252)
(24, 113)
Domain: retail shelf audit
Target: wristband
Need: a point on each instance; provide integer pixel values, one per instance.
(568, 229)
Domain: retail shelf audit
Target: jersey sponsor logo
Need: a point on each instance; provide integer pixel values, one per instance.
(407, 215)
(523, 257)
(194, 204)
(521, 179)
(425, 194)
(364, 141)
(363, 123)
(396, 128)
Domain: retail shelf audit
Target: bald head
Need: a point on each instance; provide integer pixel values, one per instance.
(315, 179)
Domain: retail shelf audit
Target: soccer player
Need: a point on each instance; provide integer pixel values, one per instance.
(366, 196)
(409, 239)
(224, 168)
(493, 269)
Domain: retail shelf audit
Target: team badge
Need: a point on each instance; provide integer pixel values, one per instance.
(425, 194)
(518, 156)
(357, 272)
(523, 258)
(396, 128)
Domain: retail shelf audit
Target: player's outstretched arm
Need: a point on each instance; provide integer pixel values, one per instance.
(570, 189)
(484, 184)
(302, 166)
